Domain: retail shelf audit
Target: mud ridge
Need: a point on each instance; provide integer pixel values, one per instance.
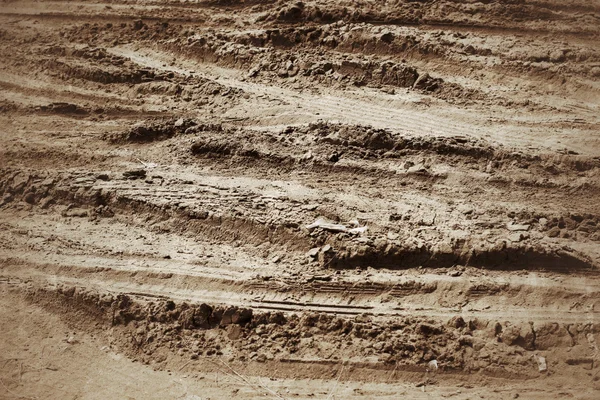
(47, 191)
(145, 329)
(504, 256)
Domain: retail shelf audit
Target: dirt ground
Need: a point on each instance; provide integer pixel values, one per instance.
(281, 199)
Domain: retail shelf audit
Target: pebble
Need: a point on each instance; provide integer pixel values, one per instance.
(313, 252)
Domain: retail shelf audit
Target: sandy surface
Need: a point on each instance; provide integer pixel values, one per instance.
(242, 199)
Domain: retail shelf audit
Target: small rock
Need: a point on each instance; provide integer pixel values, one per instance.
(427, 220)
(46, 202)
(363, 318)
(29, 198)
(179, 122)
(517, 227)
(466, 210)
(72, 340)
(417, 169)
(510, 334)
(334, 157)
(432, 365)
(392, 235)
(253, 72)
(554, 232)
(47, 182)
(238, 316)
(542, 366)
(457, 322)
(429, 329)
(276, 259)
(551, 336)
(307, 156)
(234, 332)
(326, 248)
(313, 252)
(515, 237)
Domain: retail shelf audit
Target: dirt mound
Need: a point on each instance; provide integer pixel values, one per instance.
(102, 74)
(515, 246)
(380, 139)
(458, 345)
(277, 64)
(409, 12)
(248, 50)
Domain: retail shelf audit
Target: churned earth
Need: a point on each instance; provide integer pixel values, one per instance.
(350, 199)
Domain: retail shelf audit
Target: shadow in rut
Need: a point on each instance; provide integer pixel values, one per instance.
(507, 259)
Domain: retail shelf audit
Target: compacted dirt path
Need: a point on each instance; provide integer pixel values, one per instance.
(317, 199)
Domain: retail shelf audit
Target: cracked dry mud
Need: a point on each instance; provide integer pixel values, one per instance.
(349, 199)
